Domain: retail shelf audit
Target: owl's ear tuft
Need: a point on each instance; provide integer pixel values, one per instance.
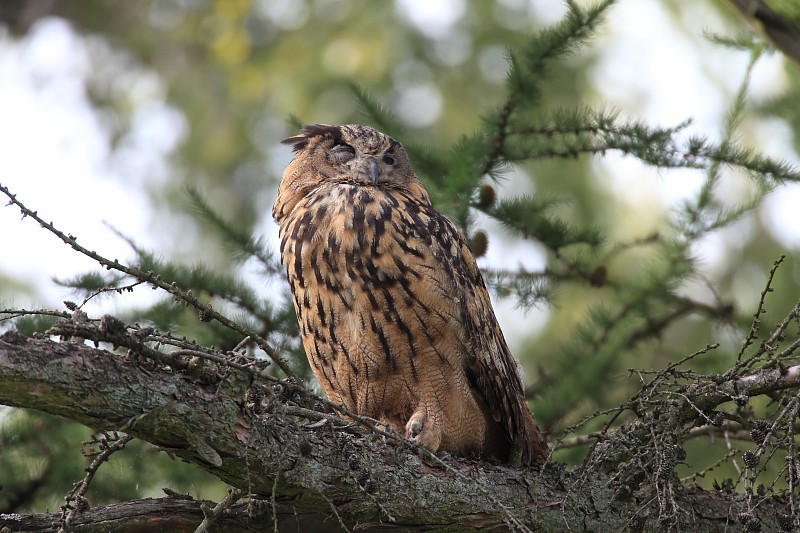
(298, 142)
(313, 130)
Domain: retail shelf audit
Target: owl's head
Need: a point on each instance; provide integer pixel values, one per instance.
(352, 154)
(357, 154)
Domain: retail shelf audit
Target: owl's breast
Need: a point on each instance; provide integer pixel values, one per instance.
(361, 250)
(343, 235)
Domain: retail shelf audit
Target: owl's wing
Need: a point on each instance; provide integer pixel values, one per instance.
(487, 359)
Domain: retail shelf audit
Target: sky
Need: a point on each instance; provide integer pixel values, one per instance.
(56, 156)
(57, 159)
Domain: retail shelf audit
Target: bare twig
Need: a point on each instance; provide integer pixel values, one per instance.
(212, 515)
(10, 314)
(335, 512)
(79, 490)
(753, 333)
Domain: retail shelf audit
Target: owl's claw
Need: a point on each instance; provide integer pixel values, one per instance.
(413, 429)
(424, 431)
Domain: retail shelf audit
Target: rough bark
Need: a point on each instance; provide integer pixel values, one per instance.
(321, 468)
(176, 515)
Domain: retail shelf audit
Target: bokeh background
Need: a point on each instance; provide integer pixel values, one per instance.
(108, 110)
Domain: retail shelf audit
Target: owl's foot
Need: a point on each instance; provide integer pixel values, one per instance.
(422, 430)
(414, 428)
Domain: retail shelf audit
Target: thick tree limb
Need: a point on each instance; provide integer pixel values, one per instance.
(176, 515)
(318, 467)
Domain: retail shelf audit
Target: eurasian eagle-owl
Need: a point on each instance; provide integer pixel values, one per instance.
(393, 311)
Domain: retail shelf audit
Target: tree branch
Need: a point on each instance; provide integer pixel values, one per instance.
(176, 514)
(256, 437)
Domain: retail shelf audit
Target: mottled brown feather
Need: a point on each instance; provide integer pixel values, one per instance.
(393, 311)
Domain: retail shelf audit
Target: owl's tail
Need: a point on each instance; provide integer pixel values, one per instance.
(529, 447)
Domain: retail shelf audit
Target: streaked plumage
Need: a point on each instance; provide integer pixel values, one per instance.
(394, 315)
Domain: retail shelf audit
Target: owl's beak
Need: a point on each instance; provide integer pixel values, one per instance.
(373, 171)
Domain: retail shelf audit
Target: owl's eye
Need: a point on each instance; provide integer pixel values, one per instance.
(342, 153)
(389, 159)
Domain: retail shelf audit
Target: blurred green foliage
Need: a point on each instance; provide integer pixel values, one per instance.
(42, 457)
(619, 291)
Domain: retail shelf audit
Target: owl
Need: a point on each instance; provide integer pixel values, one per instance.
(393, 312)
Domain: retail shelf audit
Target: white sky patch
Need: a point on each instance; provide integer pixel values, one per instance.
(780, 214)
(433, 18)
(55, 158)
(547, 12)
(769, 77)
(419, 105)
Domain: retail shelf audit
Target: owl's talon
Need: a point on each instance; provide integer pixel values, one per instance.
(414, 429)
(423, 431)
